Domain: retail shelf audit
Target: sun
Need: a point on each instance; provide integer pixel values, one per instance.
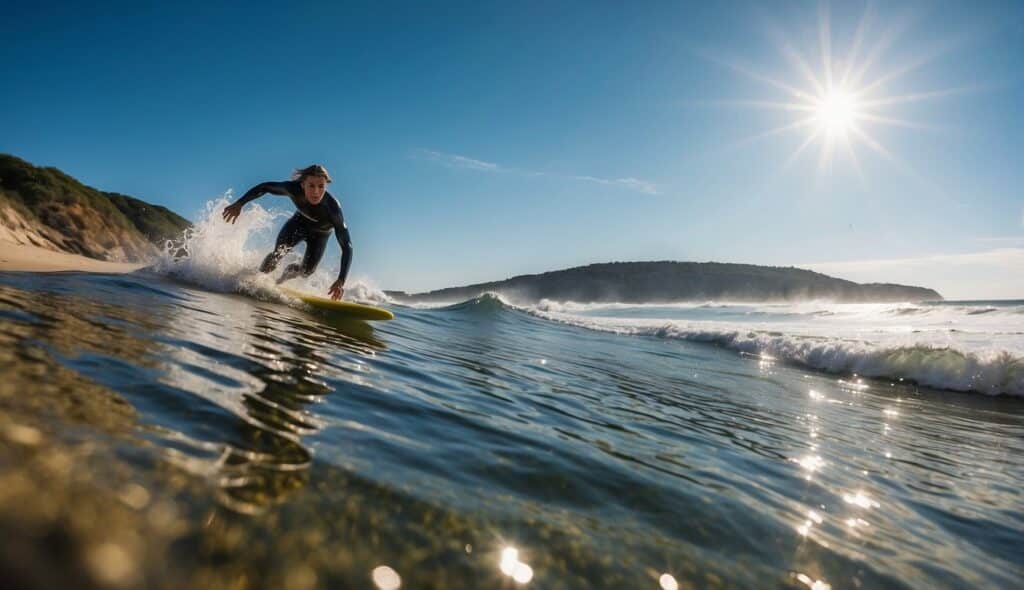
(836, 111)
(837, 102)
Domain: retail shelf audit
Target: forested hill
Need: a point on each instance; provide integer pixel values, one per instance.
(45, 207)
(662, 282)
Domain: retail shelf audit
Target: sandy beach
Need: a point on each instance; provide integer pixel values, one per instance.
(22, 258)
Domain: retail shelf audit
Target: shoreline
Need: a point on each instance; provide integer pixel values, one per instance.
(16, 257)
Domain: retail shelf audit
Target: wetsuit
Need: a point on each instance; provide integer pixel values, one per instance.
(312, 223)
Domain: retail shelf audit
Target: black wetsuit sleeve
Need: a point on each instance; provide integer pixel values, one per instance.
(274, 188)
(344, 240)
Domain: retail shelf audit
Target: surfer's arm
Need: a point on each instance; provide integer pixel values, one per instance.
(274, 188)
(232, 211)
(345, 241)
(338, 287)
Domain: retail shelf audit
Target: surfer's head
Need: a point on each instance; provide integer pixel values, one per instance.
(314, 180)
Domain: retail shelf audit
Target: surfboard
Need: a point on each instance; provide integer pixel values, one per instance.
(340, 308)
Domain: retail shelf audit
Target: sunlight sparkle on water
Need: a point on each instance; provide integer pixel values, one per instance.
(813, 518)
(810, 462)
(860, 499)
(668, 582)
(512, 567)
(386, 578)
(509, 559)
(812, 583)
(856, 522)
(523, 573)
(857, 385)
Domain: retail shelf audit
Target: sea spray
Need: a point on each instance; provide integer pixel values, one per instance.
(221, 256)
(225, 257)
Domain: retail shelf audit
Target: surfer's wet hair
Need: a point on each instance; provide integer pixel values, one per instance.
(300, 174)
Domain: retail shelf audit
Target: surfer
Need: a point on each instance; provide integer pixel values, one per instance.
(318, 213)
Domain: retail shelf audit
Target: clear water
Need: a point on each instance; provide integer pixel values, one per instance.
(156, 433)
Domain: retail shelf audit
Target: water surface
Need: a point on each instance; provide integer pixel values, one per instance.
(154, 433)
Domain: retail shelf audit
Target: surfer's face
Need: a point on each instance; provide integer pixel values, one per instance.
(314, 187)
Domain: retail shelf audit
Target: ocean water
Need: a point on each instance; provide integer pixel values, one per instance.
(970, 346)
(185, 427)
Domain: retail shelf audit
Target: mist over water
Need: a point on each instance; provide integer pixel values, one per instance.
(184, 427)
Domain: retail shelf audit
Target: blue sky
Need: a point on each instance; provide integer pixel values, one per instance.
(476, 141)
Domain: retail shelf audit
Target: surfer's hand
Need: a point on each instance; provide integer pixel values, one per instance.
(231, 212)
(336, 290)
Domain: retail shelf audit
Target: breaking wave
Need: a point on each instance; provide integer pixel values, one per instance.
(965, 361)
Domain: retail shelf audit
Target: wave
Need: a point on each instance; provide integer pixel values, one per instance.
(953, 365)
(577, 307)
(976, 356)
(904, 311)
(485, 303)
(964, 309)
(842, 340)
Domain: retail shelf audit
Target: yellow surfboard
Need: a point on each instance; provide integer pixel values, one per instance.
(342, 308)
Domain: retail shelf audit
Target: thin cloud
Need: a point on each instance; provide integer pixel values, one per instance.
(634, 184)
(457, 161)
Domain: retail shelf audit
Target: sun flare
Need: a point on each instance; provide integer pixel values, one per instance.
(836, 111)
(838, 102)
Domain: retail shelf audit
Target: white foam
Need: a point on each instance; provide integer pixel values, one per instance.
(224, 257)
(949, 347)
(576, 307)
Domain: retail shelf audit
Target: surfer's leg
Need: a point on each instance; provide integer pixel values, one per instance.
(316, 243)
(290, 235)
(290, 272)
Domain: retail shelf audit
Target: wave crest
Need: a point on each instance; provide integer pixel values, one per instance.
(488, 302)
(953, 366)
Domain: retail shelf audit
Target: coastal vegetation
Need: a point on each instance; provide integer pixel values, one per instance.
(43, 206)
